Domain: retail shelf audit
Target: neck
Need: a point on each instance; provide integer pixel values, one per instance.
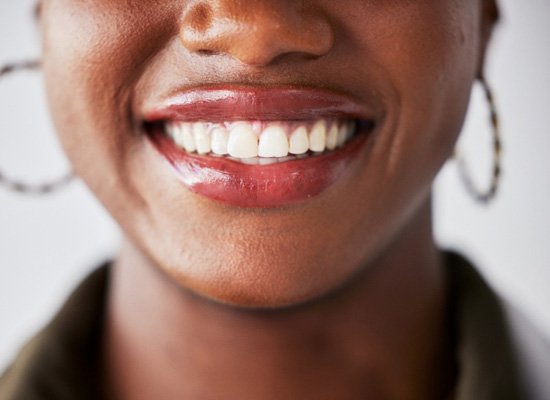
(382, 336)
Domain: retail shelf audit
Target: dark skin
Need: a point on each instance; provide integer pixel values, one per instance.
(340, 297)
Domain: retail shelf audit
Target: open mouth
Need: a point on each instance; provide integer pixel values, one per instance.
(258, 148)
(262, 142)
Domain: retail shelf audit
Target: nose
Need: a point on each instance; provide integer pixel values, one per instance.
(255, 32)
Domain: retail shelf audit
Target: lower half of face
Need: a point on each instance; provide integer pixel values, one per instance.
(267, 169)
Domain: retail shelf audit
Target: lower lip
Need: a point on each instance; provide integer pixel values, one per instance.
(258, 186)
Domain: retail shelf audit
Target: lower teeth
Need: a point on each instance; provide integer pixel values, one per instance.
(265, 160)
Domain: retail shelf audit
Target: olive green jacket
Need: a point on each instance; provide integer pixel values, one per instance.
(61, 362)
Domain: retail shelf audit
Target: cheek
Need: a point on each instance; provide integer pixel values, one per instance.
(422, 56)
(93, 52)
(427, 52)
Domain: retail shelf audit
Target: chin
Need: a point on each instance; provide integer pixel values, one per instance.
(260, 283)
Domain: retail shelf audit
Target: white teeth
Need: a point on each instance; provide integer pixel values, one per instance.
(332, 137)
(184, 137)
(318, 136)
(250, 161)
(259, 142)
(273, 142)
(299, 142)
(220, 136)
(342, 135)
(243, 142)
(171, 129)
(176, 133)
(202, 138)
(267, 161)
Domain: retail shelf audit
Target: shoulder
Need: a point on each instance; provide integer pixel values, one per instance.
(501, 353)
(61, 361)
(532, 352)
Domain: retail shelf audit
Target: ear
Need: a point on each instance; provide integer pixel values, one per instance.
(490, 16)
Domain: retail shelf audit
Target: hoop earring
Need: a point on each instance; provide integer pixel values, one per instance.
(19, 186)
(485, 197)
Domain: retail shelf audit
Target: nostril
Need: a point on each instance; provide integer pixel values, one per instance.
(207, 52)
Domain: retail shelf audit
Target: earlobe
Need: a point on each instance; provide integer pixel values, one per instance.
(491, 16)
(489, 19)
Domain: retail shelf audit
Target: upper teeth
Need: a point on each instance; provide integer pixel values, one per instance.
(250, 139)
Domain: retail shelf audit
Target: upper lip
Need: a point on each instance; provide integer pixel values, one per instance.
(232, 103)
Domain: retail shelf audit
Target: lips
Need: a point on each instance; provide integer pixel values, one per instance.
(268, 147)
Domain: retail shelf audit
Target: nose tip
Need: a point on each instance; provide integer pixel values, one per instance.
(255, 32)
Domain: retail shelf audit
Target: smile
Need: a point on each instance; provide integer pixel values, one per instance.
(261, 142)
(259, 147)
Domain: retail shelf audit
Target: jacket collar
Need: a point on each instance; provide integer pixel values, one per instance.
(61, 362)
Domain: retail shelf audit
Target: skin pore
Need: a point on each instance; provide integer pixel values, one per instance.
(342, 296)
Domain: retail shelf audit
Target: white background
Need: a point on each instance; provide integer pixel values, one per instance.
(47, 245)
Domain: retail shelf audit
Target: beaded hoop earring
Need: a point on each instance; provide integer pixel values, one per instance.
(485, 197)
(19, 186)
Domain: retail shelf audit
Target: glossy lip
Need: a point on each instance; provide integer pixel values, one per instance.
(234, 103)
(258, 186)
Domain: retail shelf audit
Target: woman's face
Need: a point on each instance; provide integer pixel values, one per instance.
(122, 74)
